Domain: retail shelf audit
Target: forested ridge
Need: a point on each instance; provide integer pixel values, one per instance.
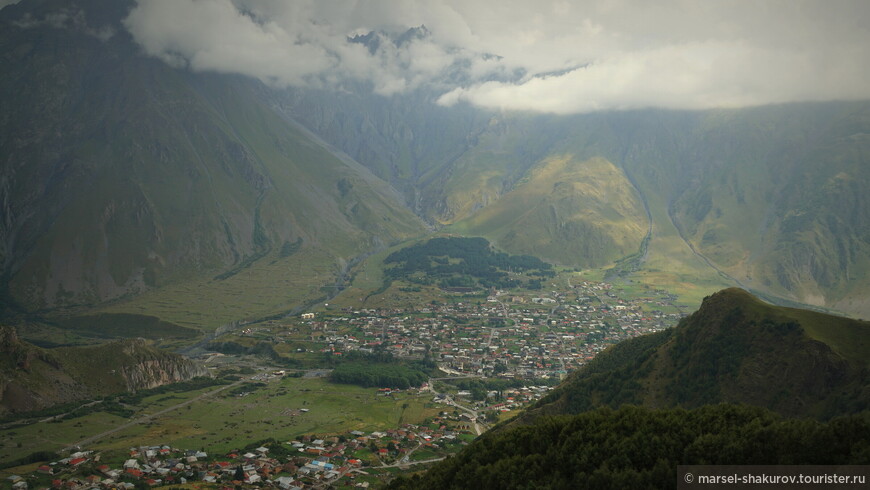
(734, 349)
(737, 382)
(635, 447)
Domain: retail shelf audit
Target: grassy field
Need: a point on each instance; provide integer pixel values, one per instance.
(50, 436)
(228, 421)
(846, 336)
(16, 442)
(269, 286)
(124, 325)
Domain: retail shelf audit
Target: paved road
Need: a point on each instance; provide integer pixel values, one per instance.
(408, 463)
(477, 430)
(407, 456)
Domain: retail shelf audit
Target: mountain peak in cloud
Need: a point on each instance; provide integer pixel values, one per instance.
(372, 40)
(547, 57)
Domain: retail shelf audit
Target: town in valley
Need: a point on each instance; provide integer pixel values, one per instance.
(494, 352)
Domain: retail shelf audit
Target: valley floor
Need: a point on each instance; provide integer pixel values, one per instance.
(498, 352)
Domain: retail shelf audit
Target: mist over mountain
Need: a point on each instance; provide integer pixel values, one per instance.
(135, 156)
(195, 173)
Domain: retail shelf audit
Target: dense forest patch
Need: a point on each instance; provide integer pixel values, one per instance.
(457, 262)
(640, 448)
(381, 370)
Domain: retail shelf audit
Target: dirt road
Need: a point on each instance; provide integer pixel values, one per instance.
(145, 418)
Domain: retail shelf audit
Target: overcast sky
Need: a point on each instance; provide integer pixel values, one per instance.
(551, 56)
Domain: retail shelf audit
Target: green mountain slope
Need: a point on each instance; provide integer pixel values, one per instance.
(121, 174)
(734, 349)
(769, 198)
(574, 213)
(782, 207)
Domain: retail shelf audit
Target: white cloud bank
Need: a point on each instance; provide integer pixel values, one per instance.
(568, 57)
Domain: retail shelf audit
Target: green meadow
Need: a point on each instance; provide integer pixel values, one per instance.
(283, 408)
(270, 286)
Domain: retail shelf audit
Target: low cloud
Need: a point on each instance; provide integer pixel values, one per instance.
(557, 56)
(72, 19)
(689, 76)
(217, 36)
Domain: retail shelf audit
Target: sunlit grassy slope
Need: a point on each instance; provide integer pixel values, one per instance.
(580, 213)
(847, 337)
(772, 198)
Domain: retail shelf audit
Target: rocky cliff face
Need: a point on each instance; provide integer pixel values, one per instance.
(32, 378)
(150, 368)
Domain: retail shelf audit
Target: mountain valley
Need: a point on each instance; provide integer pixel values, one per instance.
(137, 196)
(364, 266)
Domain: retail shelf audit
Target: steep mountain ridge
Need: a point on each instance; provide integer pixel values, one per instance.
(768, 196)
(123, 175)
(798, 193)
(163, 174)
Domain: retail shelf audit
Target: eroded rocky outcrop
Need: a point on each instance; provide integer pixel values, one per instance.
(149, 368)
(32, 378)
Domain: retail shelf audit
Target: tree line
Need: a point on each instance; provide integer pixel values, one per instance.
(463, 262)
(378, 375)
(635, 447)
